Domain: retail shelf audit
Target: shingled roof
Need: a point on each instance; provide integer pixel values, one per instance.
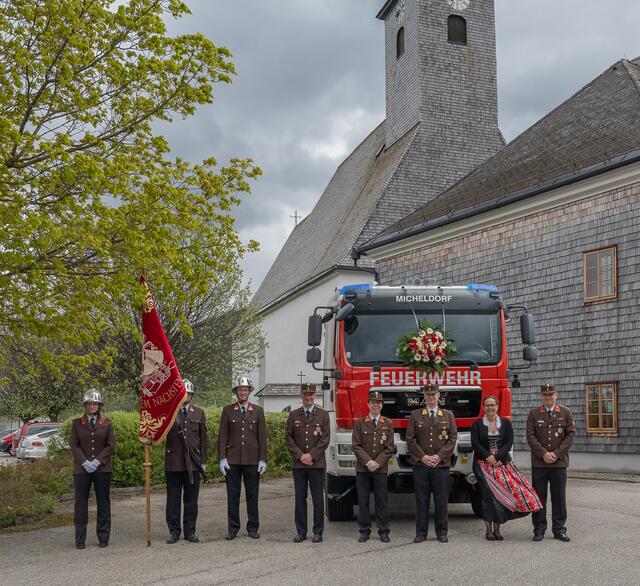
(323, 241)
(600, 123)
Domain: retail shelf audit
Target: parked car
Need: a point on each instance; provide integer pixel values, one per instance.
(36, 446)
(6, 439)
(29, 429)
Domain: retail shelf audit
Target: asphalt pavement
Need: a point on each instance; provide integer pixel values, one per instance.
(604, 524)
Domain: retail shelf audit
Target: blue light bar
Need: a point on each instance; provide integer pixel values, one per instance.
(479, 287)
(361, 288)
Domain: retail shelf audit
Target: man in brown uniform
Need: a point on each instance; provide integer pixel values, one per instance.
(431, 438)
(185, 457)
(551, 430)
(242, 446)
(373, 445)
(307, 439)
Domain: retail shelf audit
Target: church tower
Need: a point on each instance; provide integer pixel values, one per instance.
(441, 72)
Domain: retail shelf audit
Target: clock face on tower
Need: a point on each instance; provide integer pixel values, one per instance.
(459, 4)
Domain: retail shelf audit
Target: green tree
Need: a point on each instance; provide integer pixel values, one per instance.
(89, 196)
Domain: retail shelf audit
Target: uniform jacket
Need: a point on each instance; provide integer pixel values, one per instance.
(187, 442)
(480, 441)
(369, 444)
(242, 438)
(87, 443)
(423, 438)
(553, 433)
(308, 436)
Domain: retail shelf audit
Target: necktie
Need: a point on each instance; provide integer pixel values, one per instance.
(184, 410)
(244, 409)
(92, 422)
(307, 412)
(375, 422)
(432, 416)
(549, 412)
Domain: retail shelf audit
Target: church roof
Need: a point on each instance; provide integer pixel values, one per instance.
(279, 390)
(594, 130)
(323, 241)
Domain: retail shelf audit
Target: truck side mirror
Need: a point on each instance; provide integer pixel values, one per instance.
(530, 353)
(527, 329)
(314, 355)
(314, 333)
(344, 312)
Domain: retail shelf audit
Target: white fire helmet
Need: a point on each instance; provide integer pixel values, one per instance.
(243, 381)
(188, 386)
(92, 396)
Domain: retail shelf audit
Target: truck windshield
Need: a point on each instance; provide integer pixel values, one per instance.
(371, 338)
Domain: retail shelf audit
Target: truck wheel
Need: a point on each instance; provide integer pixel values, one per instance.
(476, 503)
(339, 509)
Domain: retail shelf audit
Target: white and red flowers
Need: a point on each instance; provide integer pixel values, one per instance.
(427, 349)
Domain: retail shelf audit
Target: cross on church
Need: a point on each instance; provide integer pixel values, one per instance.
(301, 375)
(296, 217)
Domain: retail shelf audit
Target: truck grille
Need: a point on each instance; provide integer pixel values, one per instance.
(463, 402)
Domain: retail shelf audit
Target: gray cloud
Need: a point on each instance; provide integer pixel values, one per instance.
(310, 87)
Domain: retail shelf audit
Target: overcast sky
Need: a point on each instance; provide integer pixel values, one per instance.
(310, 87)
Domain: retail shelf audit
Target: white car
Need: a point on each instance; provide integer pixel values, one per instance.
(36, 446)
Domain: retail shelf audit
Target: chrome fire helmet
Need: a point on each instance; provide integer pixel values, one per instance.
(188, 386)
(92, 396)
(243, 381)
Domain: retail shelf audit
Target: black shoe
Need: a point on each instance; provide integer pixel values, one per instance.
(103, 544)
(299, 538)
(419, 538)
(229, 536)
(562, 537)
(254, 535)
(385, 538)
(173, 538)
(80, 546)
(363, 537)
(537, 537)
(193, 538)
(443, 539)
(489, 536)
(498, 537)
(317, 539)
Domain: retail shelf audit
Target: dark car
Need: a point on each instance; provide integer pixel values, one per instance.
(29, 429)
(6, 438)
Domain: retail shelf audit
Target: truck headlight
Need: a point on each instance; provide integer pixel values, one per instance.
(345, 450)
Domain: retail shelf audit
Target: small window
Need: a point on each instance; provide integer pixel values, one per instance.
(400, 43)
(600, 274)
(602, 412)
(457, 27)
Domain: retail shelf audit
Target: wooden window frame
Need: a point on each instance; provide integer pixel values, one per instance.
(400, 43)
(614, 276)
(600, 431)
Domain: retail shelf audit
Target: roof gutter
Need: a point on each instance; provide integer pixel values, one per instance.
(286, 296)
(503, 200)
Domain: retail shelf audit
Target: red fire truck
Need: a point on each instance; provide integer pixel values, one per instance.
(360, 356)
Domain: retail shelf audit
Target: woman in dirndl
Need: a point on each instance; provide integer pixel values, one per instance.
(504, 491)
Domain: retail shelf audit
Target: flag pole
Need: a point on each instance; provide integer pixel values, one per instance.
(147, 475)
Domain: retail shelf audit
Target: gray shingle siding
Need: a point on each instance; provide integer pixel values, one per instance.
(538, 260)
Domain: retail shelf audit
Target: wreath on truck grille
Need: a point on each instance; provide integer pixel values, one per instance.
(427, 349)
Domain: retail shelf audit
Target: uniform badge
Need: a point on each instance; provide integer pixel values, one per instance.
(559, 430)
(316, 432)
(556, 434)
(425, 411)
(384, 437)
(439, 413)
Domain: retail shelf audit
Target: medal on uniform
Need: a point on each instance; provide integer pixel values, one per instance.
(559, 430)
(316, 432)
(556, 434)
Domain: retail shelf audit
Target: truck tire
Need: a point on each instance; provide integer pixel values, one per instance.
(476, 502)
(339, 509)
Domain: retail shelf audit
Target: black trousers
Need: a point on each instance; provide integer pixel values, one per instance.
(102, 485)
(556, 478)
(313, 478)
(427, 481)
(235, 475)
(366, 482)
(179, 488)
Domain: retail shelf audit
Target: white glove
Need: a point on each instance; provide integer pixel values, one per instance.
(224, 466)
(262, 467)
(92, 466)
(88, 466)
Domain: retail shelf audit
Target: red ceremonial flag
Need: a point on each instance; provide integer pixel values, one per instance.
(162, 390)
